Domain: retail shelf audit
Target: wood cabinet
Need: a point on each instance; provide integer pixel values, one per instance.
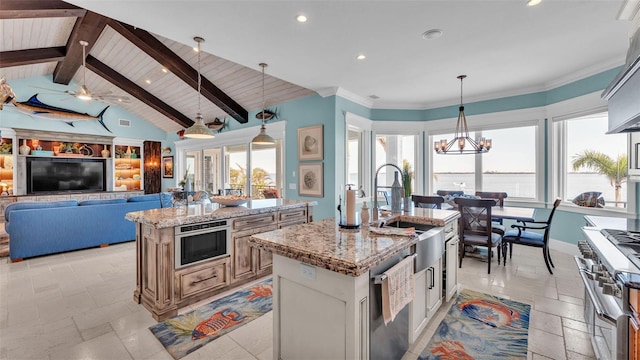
(163, 289)
(450, 267)
(246, 259)
(634, 324)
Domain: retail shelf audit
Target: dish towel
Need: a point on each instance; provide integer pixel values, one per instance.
(397, 290)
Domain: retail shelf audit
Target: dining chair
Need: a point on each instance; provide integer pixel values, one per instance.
(499, 197)
(475, 227)
(528, 234)
(422, 201)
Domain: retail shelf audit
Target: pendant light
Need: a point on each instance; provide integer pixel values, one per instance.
(462, 138)
(262, 138)
(199, 130)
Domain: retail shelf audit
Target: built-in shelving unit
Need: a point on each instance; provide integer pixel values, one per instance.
(6, 166)
(128, 165)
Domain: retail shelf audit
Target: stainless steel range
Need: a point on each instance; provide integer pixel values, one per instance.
(609, 258)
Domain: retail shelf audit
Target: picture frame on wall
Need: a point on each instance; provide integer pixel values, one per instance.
(310, 143)
(310, 181)
(167, 167)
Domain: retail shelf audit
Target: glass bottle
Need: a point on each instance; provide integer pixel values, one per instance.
(396, 194)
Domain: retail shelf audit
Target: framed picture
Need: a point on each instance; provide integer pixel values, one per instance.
(311, 180)
(310, 143)
(167, 166)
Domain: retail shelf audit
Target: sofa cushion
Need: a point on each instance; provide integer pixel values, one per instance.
(141, 198)
(102, 202)
(23, 205)
(166, 199)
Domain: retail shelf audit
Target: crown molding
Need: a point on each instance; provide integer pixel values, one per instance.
(345, 94)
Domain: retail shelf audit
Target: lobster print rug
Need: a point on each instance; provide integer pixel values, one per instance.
(481, 326)
(186, 333)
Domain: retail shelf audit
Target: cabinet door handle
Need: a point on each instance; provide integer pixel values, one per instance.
(199, 281)
(430, 270)
(257, 221)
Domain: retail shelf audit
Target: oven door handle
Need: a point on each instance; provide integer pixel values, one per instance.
(596, 303)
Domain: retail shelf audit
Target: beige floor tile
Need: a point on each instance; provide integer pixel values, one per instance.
(545, 322)
(560, 308)
(574, 324)
(107, 346)
(578, 341)
(256, 336)
(546, 344)
(576, 356)
(268, 354)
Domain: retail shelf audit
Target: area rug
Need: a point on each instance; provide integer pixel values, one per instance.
(184, 334)
(481, 326)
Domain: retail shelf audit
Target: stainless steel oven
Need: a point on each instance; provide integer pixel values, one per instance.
(606, 295)
(196, 243)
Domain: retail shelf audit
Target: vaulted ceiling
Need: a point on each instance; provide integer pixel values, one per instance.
(158, 75)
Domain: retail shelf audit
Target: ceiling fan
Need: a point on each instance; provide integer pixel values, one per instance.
(83, 93)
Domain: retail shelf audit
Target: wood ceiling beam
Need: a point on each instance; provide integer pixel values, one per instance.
(24, 9)
(31, 56)
(87, 28)
(172, 62)
(141, 94)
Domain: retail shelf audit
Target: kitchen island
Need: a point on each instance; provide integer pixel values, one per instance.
(188, 253)
(321, 279)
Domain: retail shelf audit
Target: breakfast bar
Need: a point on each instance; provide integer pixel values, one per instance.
(323, 302)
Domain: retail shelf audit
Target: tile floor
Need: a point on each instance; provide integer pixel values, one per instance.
(79, 305)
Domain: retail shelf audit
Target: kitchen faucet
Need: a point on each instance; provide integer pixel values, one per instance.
(375, 189)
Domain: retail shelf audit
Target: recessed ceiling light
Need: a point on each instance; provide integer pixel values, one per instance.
(164, 70)
(301, 18)
(361, 57)
(374, 97)
(432, 34)
(148, 81)
(533, 2)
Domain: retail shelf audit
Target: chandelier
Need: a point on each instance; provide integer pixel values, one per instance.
(462, 139)
(199, 130)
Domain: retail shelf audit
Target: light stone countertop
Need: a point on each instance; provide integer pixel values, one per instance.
(349, 252)
(184, 215)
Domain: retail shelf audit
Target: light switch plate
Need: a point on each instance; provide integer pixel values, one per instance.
(292, 186)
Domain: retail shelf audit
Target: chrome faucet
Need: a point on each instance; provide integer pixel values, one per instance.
(375, 189)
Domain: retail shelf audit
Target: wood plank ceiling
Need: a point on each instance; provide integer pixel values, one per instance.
(159, 75)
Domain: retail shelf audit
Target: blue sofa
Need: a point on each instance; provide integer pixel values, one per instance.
(41, 228)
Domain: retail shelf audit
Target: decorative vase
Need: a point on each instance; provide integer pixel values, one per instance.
(24, 149)
(396, 194)
(187, 186)
(364, 214)
(127, 154)
(133, 154)
(105, 152)
(407, 203)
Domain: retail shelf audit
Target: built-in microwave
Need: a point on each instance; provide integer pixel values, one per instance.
(196, 243)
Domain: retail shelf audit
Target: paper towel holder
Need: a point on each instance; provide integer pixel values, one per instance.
(343, 222)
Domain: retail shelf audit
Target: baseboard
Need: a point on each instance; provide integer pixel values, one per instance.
(565, 247)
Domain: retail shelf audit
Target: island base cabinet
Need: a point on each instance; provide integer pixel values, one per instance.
(198, 279)
(427, 299)
(247, 260)
(318, 313)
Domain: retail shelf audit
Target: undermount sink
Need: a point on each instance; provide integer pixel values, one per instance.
(430, 246)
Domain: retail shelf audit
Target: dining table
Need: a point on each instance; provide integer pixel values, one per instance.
(513, 213)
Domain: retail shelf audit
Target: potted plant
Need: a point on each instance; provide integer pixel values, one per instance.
(407, 175)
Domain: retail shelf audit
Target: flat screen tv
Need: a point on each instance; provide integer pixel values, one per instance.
(59, 175)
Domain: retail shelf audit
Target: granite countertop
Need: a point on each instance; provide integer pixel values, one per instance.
(348, 252)
(184, 215)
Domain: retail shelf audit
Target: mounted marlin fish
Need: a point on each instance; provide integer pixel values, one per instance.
(36, 107)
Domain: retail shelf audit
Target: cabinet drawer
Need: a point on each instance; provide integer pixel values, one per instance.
(450, 229)
(200, 278)
(248, 222)
(292, 215)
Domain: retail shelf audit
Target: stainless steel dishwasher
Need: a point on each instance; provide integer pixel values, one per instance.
(389, 341)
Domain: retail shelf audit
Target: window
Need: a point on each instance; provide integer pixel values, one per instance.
(354, 156)
(592, 165)
(265, 163)
(510, 165)
(236, 167)
(397, 150)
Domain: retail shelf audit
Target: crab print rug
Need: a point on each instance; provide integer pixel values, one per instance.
(481, 326)
(186, 333)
